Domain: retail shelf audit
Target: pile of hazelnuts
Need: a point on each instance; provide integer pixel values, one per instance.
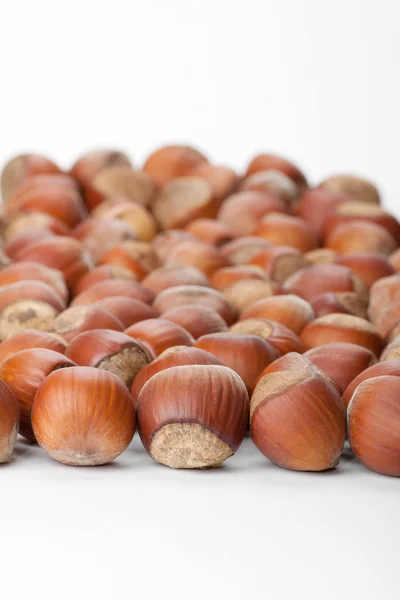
(197, 303)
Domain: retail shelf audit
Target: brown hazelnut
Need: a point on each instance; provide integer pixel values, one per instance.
(183, 200)
(384, 304)
(120, 181)
(138, 257)
(116, 287)
(210, 231)
(197, 320)
(316, 206)
(172, 357)
(110, 350)
(91, 403)
(156, 335)
(97, 235)
(360, 236)
(341, 362)
(287, 230)
(246, 292)
(170, 162)
(389, 367)
(170, 275)
(368, 266)
(291, 311)
(281, 401)
(135, 216)
(205, 257)
(280, 262)
(23, 271)
(373, 424)
(273, 182)
(102, 273)
(342, 328)
(19, 241)
(19, 222)
(223, 278)
(24, 372)
(198, 296)
(264, 162)
(31, 338)
(348, 303)
(353, 210)
(77, 319)
(178, 425)
(321, 256)
(241, 250)
(275, 333)
(356, 188)
(247, 355)
(21, 168)
(165, 241)
(223, 180)
(391, 352)
(241, 212)
(127, 310)
(311, 282)
(9, 422)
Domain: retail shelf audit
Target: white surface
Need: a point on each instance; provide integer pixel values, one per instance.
(315, 80)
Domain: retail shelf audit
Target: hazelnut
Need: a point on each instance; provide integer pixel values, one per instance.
(368, 266)
(389, 367)
(241, 250)
(9, 421)
(18, 223)
(348, 303)
(181, 295)
(223, 180)
(278, 335)
(169, 162)
(21, 168)
(223, 278)
(127, 310)
(247, 355)
(197, 320)
(77, 319)
(311, 282)
(282, 400)
(373, 424)
(291, 311)
(172, 357)
(356, 188)
(178, 425)
(360, 236)
(19, 241)
(156, 335)
(391, 352)
(135, 216)
(241, 212)
(354, 210)
(24, 372)
(183, 200)
(394, 260)
(120, 181)
(92, 404)
(273, 182)
(287, 230)
(97, 235)
(137, 257)
(210, 231)
(321, 256)
(205, 257)
(342, 328)
(171, 275)
(34, 271)
(316, 206)
(265, 162)
(102, 273)
(52, 196)
(246, 292)
(280, 262)
(31, 338)
(384, 304)
(116, 287)
(62, 253)
(110, 350)
(341, 362)
(165, 241)
(27, 305)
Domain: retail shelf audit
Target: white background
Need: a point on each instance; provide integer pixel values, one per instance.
(315, 80)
